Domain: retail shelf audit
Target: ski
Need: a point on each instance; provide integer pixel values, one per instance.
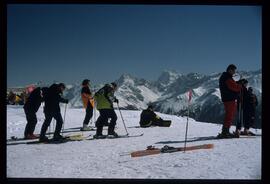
(119, 136)
(76, 137)
(242, 133)
(151, 150)
(14, 138)
(241, 136)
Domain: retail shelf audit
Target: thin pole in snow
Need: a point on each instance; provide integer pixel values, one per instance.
(122, 118)
(189, 99)
(64, 119)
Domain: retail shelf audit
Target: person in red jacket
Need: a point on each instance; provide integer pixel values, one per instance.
(229, 90)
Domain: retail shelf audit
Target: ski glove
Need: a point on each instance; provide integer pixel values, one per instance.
(116, 100)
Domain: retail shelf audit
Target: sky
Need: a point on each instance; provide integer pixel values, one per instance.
(70, 42)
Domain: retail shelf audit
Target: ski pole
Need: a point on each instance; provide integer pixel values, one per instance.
(186, 131)
(242, 110)
(64, 119)
(189, 99)
(122, 118)
(239, 112)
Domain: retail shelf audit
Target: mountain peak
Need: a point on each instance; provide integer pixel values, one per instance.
(168, 76)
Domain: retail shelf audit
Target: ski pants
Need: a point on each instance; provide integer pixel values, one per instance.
(48, 118)
(230, 110)
(248, 118)
(31, 122)
(103, 118)
(89, 113)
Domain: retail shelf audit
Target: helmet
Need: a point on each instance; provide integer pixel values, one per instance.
(85, 82)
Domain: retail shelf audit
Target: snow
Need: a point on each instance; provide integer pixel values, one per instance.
(109, 158)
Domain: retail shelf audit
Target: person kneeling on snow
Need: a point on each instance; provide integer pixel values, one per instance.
(150, 118)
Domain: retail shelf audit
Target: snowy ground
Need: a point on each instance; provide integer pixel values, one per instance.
(108, 158)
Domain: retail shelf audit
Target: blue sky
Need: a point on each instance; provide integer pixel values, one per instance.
(67, 43)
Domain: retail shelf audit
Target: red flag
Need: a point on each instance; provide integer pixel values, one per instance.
(189, 95)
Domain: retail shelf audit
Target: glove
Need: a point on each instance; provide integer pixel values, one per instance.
(116, 100)
(65, 101)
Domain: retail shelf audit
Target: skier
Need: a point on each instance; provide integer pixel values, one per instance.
(31, 106)
(150, 118)
(11, 98)
(249, 111)
(229, 90)
(52, 110)
(88, 103)
(104, 99)
(241, 105)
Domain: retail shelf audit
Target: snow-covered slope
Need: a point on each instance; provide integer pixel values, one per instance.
(109, 158)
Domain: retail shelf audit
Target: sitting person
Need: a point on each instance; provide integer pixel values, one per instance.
(150, 118)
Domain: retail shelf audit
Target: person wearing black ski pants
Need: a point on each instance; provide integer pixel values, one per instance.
(31, 106)
(52, 110)
(105, 114)
(89, 113)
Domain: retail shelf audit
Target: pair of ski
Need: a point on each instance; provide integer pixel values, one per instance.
(79, 137)
(68, 130)
(241, 135)
(151, 150)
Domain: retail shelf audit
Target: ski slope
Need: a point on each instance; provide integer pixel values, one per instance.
(109, 158)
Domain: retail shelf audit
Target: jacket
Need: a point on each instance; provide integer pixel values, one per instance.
(34, 100)
(104, 98)
(86, 96)
(52, 100)
(229, 89)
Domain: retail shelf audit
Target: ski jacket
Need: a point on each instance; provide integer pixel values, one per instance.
(229, 89)
(86, 96)
(105, 97)
(250, 103)
(148, 117)
(52, 99)
(34, 100)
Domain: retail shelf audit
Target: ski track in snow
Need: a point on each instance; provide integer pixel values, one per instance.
(107, 158)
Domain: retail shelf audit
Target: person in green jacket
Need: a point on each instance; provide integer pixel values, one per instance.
(104, 99)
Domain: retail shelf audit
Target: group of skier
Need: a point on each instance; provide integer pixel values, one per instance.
(234, 95)
(52, 96)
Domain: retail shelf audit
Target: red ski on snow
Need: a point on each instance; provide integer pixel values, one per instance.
(167, 149)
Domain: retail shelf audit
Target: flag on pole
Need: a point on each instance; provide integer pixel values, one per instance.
(189, 95)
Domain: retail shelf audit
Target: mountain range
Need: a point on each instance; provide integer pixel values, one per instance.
(169, 94)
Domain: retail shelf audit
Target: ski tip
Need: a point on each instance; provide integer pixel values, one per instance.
(209, 146)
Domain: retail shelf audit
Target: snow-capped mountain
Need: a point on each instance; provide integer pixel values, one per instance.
(169, 94)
